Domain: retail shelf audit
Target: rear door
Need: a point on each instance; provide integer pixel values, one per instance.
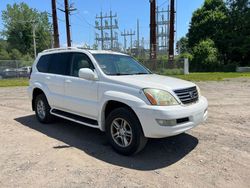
(81, 95)
(59, 65)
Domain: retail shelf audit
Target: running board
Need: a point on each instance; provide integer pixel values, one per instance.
(74, 118)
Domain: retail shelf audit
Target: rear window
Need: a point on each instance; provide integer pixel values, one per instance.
(60, 63)
(43, 63)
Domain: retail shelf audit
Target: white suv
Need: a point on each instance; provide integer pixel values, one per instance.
(114, 93)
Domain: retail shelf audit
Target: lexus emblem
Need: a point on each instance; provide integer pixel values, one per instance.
(191, 93)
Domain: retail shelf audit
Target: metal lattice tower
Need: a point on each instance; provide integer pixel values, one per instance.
(125, 35)
(162, 29)
(109, 23)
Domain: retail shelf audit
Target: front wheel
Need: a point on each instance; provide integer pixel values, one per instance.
(124, 131)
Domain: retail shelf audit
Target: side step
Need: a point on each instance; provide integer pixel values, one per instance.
(74, 117)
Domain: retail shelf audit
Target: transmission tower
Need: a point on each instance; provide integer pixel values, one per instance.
(128, 34)
(109, 40)
(162, 29)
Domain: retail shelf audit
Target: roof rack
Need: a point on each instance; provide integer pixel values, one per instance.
(64, 48)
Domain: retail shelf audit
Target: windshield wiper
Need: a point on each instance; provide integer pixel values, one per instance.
(119, 74)
(139, 73)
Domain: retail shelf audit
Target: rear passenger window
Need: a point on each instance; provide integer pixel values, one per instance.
(80, 61)
(59, 63)
(43, 63)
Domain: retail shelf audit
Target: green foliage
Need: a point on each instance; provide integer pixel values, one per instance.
(208, 22)
(14, 82)
(182, 45)
(205, 55)
(227, 25)
(238, 32)
(216, 76)
(19, 21)
(4, 55)
(170, 71)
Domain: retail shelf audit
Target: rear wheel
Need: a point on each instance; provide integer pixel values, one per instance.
(124, 132)
(42, 109)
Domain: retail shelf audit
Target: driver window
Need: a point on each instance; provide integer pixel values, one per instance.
(80, 61)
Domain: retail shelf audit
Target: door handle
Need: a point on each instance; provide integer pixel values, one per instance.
(48, 77)
(68, 81)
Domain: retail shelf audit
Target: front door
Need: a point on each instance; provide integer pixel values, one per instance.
(81, 95)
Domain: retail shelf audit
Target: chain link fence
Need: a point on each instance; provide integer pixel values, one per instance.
(164, 67)
(14, 69)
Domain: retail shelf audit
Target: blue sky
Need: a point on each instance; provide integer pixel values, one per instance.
(128, 12)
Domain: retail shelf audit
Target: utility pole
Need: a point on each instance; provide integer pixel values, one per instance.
(67, 10)
(55, 24)
(66, 4)
(34, 37)
(125, 40)
(130, 34)
(171, 32)
(107, 22)
(138, 35)
(153, 44)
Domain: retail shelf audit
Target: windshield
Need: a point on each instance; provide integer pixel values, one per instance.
(119, 65)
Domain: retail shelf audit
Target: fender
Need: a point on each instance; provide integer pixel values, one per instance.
(128, 99)
(45, 89)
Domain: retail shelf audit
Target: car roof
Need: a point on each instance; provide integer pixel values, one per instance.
(76, 49)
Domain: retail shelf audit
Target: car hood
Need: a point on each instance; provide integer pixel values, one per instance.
(152, 81)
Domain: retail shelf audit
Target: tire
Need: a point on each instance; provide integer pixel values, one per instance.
(42, 109)
(128, 137)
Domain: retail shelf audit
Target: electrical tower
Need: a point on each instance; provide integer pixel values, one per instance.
(162, 30)
(128, 34)
(109, 40)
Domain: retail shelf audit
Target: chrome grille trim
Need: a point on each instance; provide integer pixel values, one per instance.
(187, 95)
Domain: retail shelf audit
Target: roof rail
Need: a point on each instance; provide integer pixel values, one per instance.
(57, 49)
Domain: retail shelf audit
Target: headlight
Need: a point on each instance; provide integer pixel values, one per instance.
(159, 97)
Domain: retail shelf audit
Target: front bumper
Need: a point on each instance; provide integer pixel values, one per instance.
(196, 114)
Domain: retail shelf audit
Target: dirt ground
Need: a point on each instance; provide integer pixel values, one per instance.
(65, 154)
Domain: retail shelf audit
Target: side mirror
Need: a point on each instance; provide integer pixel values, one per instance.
(87, 74)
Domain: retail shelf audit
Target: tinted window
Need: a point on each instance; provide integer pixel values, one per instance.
(59, 63)
(112, 64)
(80, 61)
(43, 63)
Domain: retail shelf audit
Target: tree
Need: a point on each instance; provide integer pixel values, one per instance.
(19, 21)
(182, 45)
(238, 32)
(205, 56)
(208, 22)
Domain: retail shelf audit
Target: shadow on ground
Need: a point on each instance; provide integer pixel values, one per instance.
(158, 153)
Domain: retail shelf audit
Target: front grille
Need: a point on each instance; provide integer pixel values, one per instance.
(187, 95)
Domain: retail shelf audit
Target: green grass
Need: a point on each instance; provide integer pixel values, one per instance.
(14, 82)
(217, 76)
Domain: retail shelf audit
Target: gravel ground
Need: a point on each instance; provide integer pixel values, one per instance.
(65, 154)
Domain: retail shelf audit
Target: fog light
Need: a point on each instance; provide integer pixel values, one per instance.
(163, 122)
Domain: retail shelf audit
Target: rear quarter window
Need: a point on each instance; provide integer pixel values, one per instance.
(43, 63)
(60, 63)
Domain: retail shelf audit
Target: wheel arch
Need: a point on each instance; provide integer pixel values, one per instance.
(112, 104)
(36, 91)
